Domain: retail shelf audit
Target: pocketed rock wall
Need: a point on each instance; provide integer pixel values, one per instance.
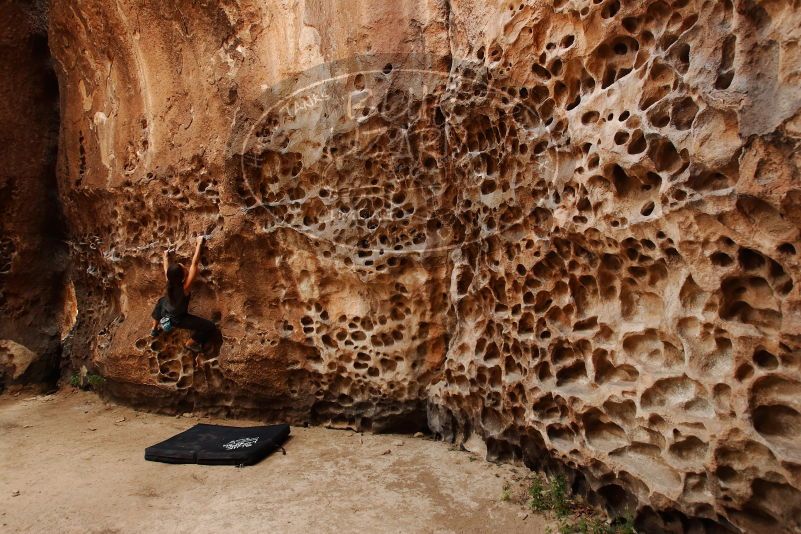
(568, 230)
(33, 256)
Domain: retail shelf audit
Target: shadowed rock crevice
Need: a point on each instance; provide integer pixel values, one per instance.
(33, 256)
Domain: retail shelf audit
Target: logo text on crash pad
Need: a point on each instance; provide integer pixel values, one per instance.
(240, 443)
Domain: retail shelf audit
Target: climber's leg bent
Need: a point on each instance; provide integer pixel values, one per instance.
(202, 329)
(157, 314)
(158, 310)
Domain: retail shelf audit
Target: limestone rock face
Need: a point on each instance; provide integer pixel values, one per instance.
(32, 251)
(569, 228)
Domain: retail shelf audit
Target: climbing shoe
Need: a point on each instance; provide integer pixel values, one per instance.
(194, 346)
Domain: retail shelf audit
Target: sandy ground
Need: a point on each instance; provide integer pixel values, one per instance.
(70, 462)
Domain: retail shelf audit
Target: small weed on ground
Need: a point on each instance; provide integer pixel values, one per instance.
(86, 380)
(551, 496)
(506, 494)
(95, 380)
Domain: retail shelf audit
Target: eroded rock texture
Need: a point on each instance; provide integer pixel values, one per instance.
(32, 253)
(568, 228)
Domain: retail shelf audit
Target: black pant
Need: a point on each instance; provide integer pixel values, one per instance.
(202, 329)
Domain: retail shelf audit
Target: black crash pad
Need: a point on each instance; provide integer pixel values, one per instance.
(219, 445)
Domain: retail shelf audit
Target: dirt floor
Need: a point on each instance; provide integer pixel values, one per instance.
(70, 462)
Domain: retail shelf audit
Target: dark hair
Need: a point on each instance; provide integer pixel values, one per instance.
(175, 283)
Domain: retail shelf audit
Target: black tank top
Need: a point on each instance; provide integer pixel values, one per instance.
(180, 308)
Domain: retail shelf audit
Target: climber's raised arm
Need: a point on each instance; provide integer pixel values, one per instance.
(166, 261)
(190, 277)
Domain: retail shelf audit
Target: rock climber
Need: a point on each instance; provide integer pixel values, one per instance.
(172, 310)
